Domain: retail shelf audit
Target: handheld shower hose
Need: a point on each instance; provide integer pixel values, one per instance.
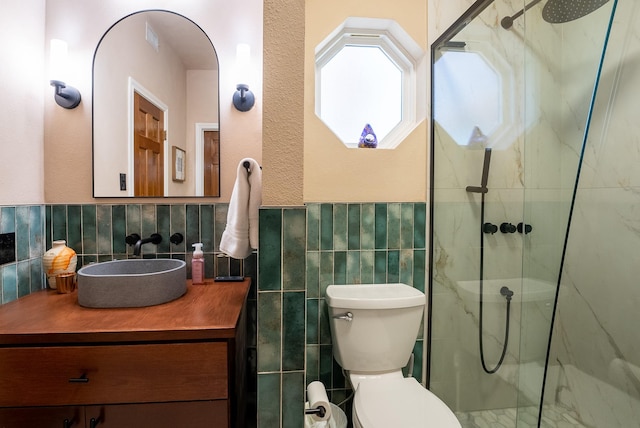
(504, 291)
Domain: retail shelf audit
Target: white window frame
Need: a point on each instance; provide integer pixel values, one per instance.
(401, 50)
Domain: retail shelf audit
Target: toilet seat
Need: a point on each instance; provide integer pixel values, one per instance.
(403, 402)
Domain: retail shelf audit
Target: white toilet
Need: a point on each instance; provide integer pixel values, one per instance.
(374, 328)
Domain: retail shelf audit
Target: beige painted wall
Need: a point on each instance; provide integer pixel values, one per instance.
(21, 112)
(339, 174)
(67, 145)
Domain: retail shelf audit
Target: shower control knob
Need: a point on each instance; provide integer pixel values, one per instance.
(524, 228)
(489, 228)
(507, 228)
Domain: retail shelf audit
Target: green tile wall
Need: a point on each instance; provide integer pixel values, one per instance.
(25, 275)
(97, 232)
(302, 251)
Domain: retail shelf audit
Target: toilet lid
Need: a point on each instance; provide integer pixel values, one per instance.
(401, 402)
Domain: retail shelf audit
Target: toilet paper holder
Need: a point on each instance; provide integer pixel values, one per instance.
(320, 411)
(318, 404)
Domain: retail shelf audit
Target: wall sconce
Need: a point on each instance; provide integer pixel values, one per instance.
(65, 96)
(243, 98)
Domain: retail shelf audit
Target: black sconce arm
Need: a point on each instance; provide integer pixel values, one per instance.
(66, 96)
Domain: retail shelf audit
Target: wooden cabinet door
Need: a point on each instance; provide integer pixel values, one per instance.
(42, 417)
(189, 414)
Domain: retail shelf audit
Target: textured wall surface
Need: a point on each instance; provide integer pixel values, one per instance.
(283, 130)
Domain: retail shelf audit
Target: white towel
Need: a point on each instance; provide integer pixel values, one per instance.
(240, 235)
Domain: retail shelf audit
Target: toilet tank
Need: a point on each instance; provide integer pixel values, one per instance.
(380, 334)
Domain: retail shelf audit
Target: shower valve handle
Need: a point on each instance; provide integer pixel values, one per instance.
(507, 228)
(526, 228)
(489, 228)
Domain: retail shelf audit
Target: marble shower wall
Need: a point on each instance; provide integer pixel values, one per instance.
(595, 348)
(531, 178)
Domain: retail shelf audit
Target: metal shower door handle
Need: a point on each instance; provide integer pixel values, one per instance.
(347, 316)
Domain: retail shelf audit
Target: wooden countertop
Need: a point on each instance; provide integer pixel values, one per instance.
(208, 311)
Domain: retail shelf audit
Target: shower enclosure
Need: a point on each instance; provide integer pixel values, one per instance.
(531, 124)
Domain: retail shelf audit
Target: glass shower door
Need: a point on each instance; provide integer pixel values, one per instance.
(510, 109)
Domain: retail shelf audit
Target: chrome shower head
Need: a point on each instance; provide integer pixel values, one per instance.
(559, 11)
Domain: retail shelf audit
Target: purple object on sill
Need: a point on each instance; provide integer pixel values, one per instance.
(368, 138)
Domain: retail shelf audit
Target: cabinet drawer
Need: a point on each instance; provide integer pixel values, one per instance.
(60, 375)
(194, 414)
(42, 417)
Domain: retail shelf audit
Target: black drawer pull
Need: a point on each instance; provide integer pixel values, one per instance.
(81, 379)
(93, 423)
(67, 423)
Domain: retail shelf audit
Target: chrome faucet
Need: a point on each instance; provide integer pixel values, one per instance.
(137, 242)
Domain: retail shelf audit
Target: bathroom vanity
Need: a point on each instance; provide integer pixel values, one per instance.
(179, 364)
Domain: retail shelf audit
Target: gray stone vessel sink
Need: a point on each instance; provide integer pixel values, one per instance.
(131, 283)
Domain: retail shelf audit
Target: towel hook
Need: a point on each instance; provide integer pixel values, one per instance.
(247, 166)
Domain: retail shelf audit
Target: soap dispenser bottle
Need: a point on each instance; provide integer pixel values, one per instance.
(197, 264)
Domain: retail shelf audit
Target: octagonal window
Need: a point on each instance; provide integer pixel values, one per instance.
(366, 82)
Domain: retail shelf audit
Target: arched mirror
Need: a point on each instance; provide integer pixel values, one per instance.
(155, 109)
